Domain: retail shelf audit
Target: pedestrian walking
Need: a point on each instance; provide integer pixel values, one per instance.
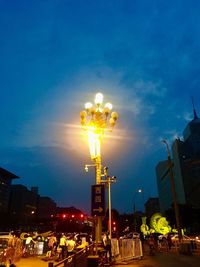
(107, 246)
(52, 244)
(151, 242)
(63, 246)
(169, 241)
(71, 246)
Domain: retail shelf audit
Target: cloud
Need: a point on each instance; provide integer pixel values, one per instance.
(55, 120)
(149, 88)
(188, 116)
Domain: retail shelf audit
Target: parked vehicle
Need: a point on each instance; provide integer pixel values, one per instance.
(174, 238)
(131, 235)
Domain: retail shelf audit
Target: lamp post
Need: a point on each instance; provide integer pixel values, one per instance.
(173, 189)
(108, 180)
(96, 119)
(134, 196)
(134, 207)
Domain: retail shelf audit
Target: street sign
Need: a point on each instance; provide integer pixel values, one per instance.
(98, 200)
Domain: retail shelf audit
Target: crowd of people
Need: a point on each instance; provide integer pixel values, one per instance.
(62, 245)
(57, 245)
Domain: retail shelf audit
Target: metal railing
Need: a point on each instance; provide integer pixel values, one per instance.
(78, 259)
(188, 247)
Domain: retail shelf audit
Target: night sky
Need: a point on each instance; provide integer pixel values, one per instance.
(55, 55)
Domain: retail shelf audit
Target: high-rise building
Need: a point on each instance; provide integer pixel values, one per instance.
(186, 169)
(46, 207)
(23, 204)
(152, 206)
(5, 184)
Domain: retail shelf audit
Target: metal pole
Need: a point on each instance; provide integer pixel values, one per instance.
(176, 208)
(98, 227)
(134, 212)
(109, 208)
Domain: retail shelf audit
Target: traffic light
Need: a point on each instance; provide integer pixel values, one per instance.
(64, 216)
(114, 226)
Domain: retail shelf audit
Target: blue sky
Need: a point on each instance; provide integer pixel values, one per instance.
(144, 56)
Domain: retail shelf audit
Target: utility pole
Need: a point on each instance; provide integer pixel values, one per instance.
(173, 189)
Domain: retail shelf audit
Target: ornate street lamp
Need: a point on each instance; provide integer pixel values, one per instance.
(96, 120)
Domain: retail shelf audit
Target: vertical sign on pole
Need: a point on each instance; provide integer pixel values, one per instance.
(98, 200)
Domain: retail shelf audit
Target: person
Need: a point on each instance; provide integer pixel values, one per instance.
(71, 246)
(151, 242)
(63, 246)
(52, 244)
(169, 241)
(107, 245)
(18, 248)
(29, 244)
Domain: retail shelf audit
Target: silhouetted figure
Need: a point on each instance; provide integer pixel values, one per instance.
(107, 245)
(169, 241)
(151, 242)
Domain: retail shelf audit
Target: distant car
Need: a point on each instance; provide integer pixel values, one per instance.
(131, 235)
(6, 251)
(197, 239)
(174, 237)
(4, 233)
(82, 237)
(162, 237)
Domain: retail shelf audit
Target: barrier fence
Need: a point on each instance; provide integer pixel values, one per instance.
(122, 250)
(79, 259)
(187, 247)
(126, 249)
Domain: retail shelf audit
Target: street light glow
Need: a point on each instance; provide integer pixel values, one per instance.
(98, 99)
(88, 105)
(94, 143)
(95, 121)
(108, 106)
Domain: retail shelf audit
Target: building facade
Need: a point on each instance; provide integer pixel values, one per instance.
(152, 206)
(6, 178)
(46, 208)
(186, 170)
(23, 204)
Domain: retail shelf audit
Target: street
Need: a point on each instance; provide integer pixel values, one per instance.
(32, 262)
(162, 259)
